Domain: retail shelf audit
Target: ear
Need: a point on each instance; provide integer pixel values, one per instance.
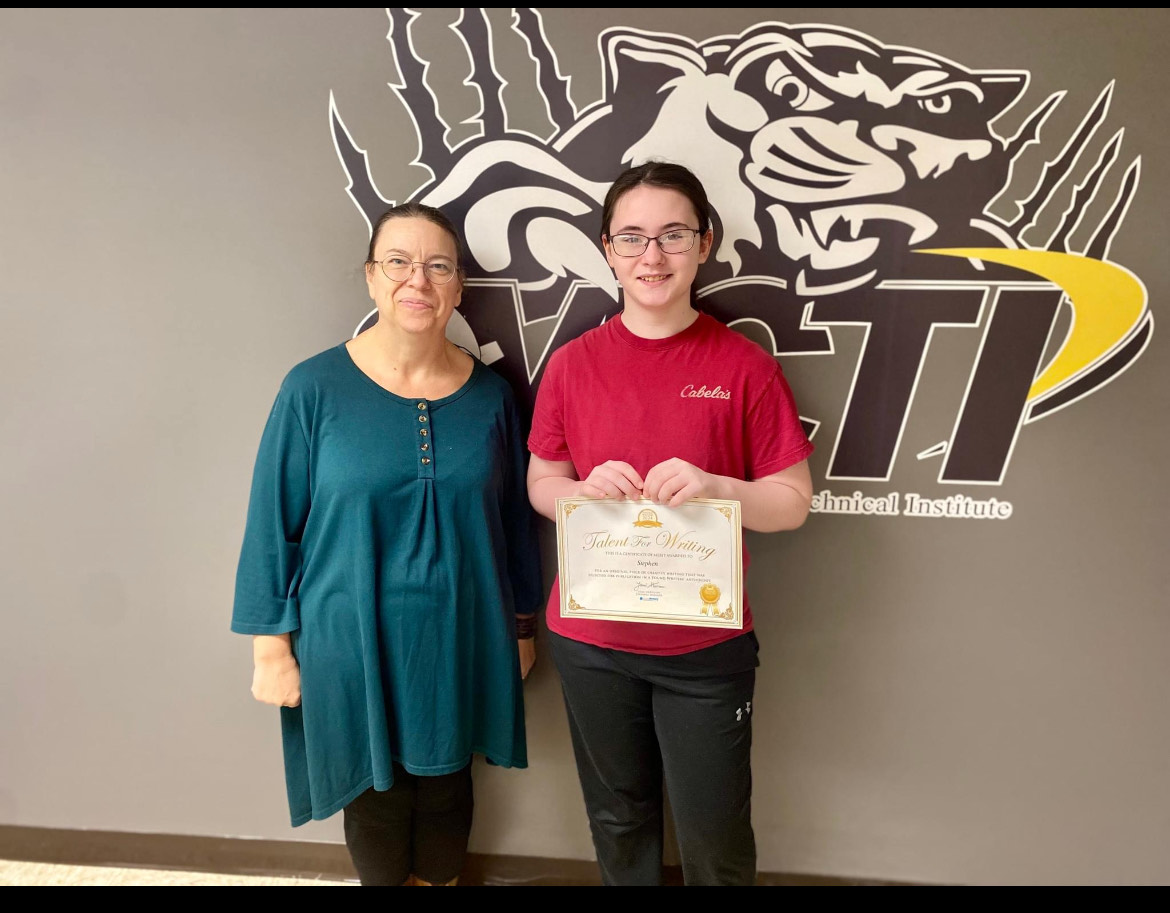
(609, 254)
(1001, 89)
(371, 280)
(705, 242)
(649, 60)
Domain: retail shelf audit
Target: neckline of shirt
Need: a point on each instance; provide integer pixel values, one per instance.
(696, 329)
(476, 367)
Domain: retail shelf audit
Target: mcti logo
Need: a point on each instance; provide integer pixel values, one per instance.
(857, 184)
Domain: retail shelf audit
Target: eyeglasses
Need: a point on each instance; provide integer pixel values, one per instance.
(399, 269)
(675, 241)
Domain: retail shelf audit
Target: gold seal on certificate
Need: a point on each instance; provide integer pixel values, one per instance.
(645, 562)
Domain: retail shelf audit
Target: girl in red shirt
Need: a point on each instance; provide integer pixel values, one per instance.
(665, 403)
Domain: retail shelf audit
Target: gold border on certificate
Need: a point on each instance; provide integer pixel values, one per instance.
(644, 562)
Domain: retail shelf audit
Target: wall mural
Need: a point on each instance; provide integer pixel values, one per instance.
(854, 183)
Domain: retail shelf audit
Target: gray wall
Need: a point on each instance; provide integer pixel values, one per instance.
(939, 700)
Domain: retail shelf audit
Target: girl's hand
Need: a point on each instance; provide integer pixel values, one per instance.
(613, 479)
(674, 481)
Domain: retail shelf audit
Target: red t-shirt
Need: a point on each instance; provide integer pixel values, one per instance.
(707, 395)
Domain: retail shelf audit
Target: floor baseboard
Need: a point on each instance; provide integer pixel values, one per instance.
(295, 859)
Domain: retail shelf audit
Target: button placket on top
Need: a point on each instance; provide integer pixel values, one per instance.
(426, 452)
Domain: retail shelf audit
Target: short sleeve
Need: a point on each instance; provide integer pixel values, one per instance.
(547, 437)
(269, 570)
(775, 438)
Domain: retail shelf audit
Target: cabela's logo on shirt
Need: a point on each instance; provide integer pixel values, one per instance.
(690, 391)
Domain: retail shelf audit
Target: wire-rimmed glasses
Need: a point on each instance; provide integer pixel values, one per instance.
(675, 241)
(398, 269)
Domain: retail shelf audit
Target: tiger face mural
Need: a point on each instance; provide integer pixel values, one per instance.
(853, 182)
(826, 154)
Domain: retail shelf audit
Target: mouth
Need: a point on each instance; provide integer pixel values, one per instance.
(415, 304)
(654, 279)
(838, 244)
(832, 237)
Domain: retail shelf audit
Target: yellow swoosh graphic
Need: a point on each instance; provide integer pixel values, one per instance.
(1107, 302)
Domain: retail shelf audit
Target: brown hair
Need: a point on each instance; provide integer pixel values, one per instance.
(658, 174)
(415, 210)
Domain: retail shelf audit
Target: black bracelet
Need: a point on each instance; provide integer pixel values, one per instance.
(525, 627)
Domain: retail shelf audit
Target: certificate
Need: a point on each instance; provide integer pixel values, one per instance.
(641, 561)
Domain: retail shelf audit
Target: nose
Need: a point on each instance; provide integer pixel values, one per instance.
(418, 275)
(653, 252)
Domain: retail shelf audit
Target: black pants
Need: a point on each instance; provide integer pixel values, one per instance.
(637, 721)
(420, 826)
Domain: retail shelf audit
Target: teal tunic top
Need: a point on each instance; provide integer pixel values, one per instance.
(393, 538)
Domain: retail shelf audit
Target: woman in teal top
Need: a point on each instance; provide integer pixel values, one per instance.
(388, 549)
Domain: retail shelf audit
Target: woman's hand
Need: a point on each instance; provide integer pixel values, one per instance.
(674, 481)
(527, 648)
(612, 479)
(276, 678)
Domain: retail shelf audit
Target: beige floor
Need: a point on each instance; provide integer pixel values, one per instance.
(39, 873)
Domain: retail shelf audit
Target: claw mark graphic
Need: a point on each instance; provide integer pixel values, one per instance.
(356, 164)
(1083, 194)
(1058, 169)
(553, 87)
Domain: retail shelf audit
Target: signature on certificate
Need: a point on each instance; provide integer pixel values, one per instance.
(648, 592)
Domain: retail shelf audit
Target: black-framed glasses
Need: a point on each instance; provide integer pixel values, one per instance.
(399, 269)
(675, 241)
